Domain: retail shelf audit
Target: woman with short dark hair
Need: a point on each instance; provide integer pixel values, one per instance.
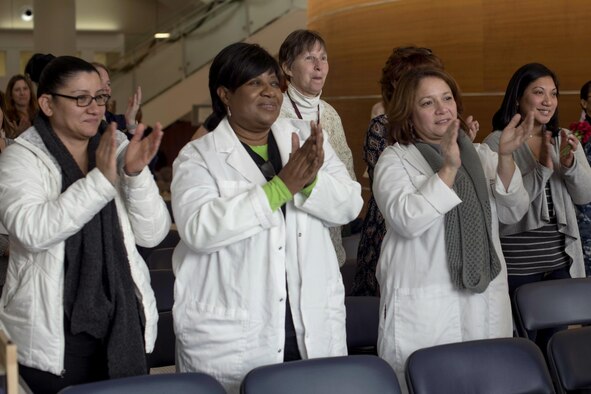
(77, 299)
(257, 278)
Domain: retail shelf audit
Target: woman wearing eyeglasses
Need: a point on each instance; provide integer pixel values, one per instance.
(77, 299)
(257, 278)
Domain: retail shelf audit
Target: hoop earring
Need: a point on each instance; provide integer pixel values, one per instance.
(229, 112)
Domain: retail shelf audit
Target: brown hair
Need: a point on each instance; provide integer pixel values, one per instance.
(402, 60)
(297, 42)
(11, 111)
(101, 65)
(401, 106)
(5, 125)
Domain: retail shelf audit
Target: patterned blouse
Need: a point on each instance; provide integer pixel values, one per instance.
(584, 218)
(374, 227)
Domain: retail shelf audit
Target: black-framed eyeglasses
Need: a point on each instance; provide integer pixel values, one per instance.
(84, 100)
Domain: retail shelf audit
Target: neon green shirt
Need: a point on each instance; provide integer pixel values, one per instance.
(276, 191)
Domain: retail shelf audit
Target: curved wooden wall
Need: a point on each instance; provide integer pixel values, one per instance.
(481, 43)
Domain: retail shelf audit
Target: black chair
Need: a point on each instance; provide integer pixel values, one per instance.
(164, 349)
(569, 357)
(552, 303)
(363, 315)
(180, 383)
(342, 375)
(502, 365)
(160, 259)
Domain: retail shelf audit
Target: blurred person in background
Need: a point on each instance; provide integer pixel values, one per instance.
(21, 103)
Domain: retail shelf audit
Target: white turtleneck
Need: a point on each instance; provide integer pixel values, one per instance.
(308, 106)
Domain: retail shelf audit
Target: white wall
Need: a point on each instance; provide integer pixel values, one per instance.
(88, 43)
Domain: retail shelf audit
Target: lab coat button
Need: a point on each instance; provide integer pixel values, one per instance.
(279, 350)
(281, 247)
(281, 300)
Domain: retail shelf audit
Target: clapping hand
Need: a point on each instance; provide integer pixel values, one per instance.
(473, 127)
(568, 145)
(106, 154)
(305, 161)
(141, 151)
(515, 134)
(449, 146)
(133, 106)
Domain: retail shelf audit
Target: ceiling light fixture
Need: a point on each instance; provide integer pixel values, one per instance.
(162, 35)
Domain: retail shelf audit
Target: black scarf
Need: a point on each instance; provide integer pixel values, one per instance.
(99, 297)
(471, 257)
(271, 167)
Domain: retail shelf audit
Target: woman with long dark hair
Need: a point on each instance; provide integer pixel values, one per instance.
(21, 106)
(545, 244)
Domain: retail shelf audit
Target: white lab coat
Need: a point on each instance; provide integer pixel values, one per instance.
(419, 305)
(235, 255)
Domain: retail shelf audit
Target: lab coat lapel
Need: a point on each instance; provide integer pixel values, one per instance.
(238, 158)
(414, 157)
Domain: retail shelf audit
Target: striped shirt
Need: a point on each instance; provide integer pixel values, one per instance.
(536, 251)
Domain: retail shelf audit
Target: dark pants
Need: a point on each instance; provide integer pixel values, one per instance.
(540, 337)
(291, 352)
(85, 361)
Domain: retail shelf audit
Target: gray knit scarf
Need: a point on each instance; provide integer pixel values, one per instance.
(471, 257)
(99, 297)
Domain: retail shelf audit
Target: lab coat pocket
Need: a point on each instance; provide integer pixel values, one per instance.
(212, 339)
(424, 318)
(233, 188)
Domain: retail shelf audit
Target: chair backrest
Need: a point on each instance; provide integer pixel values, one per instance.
(569, 357)
(180, 383)
(344, 375)
(363, 315)
(502, 365)
(552, 303)
(160, 259)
